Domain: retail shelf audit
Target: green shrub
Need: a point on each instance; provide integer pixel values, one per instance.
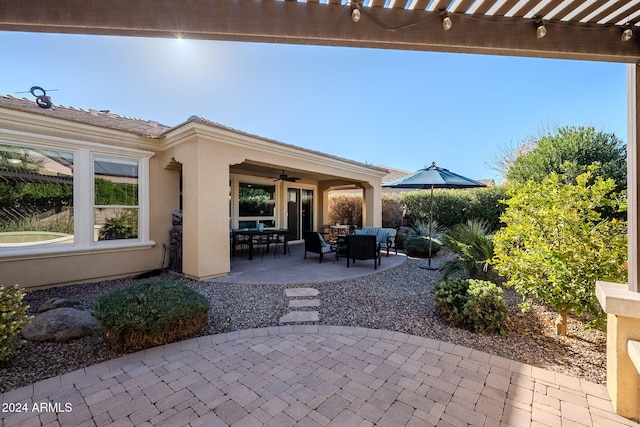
(401, 239)
(451, 296)
(487, 204)
(418, 246)
(151, 313)
(417, 243)
(485, 309)
(13, 317)
(473, 245)
(345, 209)
(475, 305)
(391, 211)
(451, 207)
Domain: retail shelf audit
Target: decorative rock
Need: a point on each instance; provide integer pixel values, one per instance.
(61, 325)
(53, 303)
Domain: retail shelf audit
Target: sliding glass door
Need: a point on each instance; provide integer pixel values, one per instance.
(299, 212)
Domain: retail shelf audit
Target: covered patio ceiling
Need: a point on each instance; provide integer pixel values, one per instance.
(576, 29)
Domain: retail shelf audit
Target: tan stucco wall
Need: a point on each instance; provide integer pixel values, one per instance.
(204, 154)
(622, 375)
(32, 272)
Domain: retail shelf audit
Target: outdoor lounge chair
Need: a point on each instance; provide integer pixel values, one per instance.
(313, 242)
(363, 247)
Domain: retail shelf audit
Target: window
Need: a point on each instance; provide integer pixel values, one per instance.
(257, 200)
(72, 198)
(115, 199)
(36, 197)
(256, 205)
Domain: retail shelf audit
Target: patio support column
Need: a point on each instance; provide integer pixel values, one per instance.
(205, 194)
(620, 302)
(372, 206)
(323, 205)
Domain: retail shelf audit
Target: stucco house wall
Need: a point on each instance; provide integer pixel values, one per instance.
(204, 155)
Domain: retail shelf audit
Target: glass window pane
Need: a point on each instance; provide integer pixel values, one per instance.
(256, 200)
(36, 196)
(116, 213)
(116, 182)
(115, 223)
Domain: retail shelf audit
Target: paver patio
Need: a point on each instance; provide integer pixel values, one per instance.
(311, 375)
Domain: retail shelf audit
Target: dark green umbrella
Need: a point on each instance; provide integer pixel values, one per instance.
(433, 177)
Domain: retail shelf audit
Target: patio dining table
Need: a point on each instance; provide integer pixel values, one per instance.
(254, 234)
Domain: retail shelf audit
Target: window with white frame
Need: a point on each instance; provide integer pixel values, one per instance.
(256, 205)
(71, 198)
(36, 196)
(115, 198)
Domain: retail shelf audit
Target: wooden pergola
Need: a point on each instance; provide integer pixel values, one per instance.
(576, 29)
(592, 30)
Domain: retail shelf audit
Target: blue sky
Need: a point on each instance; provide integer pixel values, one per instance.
(400, 109)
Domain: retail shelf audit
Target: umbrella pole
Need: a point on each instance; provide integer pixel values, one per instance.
(429, 266)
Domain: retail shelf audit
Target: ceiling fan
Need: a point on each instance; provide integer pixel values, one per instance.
(284, 177)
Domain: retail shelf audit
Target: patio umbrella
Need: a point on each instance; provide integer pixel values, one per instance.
(433, 177)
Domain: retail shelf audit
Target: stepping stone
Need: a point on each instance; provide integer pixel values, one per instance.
(304, 303)
(301, 292)
(300, 316)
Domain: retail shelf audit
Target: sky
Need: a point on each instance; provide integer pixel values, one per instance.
(400, 109)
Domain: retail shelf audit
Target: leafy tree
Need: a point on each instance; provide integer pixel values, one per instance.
(570, 152)
(556, 243)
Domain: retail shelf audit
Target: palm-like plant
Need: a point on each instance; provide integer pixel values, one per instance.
(473, 244)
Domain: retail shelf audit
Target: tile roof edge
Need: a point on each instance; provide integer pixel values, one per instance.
(207, 122)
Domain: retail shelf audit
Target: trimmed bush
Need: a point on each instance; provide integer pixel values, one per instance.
(151, 313)
(13, 317)
(417, 242)
(471, 304)
(418, 246)
(451, 207)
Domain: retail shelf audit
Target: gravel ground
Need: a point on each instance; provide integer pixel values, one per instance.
(398, 299)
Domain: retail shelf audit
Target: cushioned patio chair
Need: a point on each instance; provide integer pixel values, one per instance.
(386, 237)
(363, 247)
(313, 242)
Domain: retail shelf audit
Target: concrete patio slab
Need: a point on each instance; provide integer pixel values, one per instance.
(293, 268)
(311, 375)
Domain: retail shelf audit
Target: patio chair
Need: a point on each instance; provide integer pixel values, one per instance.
(313, 242)
(239, 242)
(279, 240)
(261, 243)
(363, 247)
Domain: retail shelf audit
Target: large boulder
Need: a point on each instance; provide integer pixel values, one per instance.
(53, 303)
(61, 325)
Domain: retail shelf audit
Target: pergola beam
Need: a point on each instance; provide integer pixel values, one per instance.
(319, 24)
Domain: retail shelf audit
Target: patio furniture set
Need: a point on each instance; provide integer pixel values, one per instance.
(366, 243)
(262, 239)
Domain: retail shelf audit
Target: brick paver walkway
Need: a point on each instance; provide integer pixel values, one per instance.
(311, 376)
